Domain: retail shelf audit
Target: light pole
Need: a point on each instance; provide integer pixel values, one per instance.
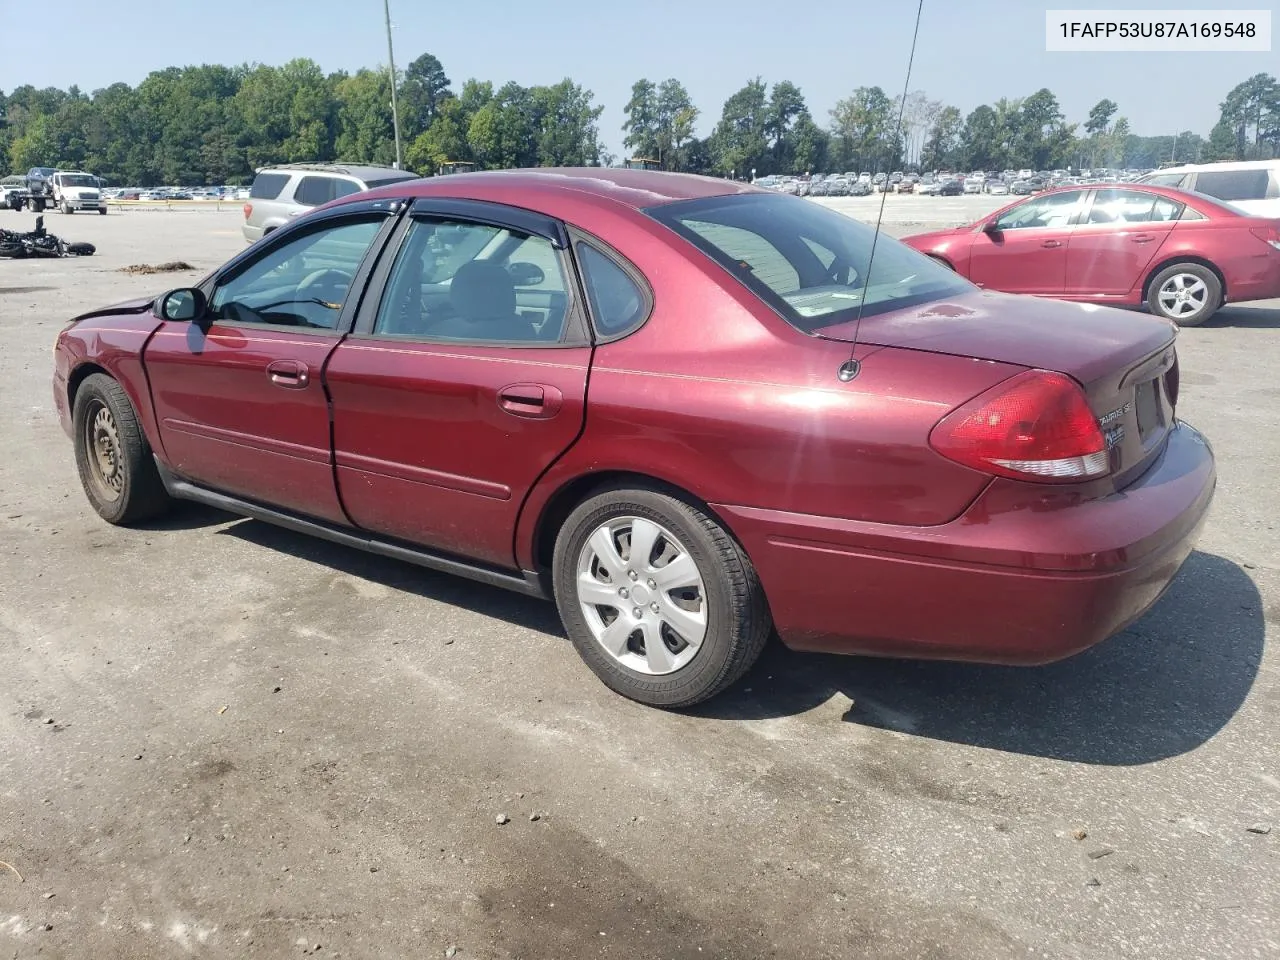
(391, 59)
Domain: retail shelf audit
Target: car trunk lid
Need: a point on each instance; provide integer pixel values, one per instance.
(1125, 361)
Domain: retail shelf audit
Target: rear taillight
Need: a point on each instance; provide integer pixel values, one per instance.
(1171, 383)
(1035, 426)
(1269, 235)
(248, 209)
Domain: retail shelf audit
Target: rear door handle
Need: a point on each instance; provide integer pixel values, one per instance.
(533, 401)
(1051, 243)
(290, 374)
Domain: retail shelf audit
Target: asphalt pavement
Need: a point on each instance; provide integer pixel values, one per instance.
(218, 738)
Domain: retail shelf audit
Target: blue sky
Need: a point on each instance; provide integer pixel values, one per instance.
(970, 51)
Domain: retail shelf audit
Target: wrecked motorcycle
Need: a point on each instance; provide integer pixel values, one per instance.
(40, 243)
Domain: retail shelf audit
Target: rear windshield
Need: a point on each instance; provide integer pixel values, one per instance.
(812, 265)
(267, 186)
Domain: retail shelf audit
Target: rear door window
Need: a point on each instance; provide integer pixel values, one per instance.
(267, 186)
(1233, 184)
(314, 191)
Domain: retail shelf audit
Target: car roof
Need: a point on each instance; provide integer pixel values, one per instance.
(1224, 165)
(633, 188)
(360, 171)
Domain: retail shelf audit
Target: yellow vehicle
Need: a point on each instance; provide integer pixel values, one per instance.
(642, 163)
(456, 166)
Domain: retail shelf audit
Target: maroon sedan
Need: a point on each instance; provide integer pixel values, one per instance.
(1182, 254)
(691, 411)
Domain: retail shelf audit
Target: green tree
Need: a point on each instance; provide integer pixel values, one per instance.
(674, 117)
(641, 125)
(1100, 117)
(568, 135)
(364, 130)
(941, 149)
(980, 139)
(424, 89)
(446, 139)
(739, 142)
(861, 128)
(786, 106)
(810, 146)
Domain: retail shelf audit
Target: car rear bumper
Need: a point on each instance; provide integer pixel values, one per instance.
(1022, 586)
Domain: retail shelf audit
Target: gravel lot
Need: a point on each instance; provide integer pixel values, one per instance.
(218, 738)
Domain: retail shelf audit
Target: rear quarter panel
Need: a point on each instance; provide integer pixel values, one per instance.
(718, 396)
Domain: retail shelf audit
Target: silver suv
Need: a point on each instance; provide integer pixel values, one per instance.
(283, 192)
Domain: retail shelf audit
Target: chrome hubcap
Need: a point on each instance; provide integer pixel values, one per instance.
(104, 452)
(642, 595)
(1183, 295)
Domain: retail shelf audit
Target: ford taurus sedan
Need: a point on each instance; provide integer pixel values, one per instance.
(1181, 254)
(690, 411)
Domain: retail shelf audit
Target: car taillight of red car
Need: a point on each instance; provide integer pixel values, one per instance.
(248, 209)
(1034, 426)
(1269, 235)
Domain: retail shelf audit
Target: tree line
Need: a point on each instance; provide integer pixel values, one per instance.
(217, 124)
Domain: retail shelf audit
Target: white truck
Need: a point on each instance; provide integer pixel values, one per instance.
(76, 190)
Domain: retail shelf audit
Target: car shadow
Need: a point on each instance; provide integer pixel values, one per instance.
(1161, 688)
(186, 515)
(1254, 316)
(514, 608)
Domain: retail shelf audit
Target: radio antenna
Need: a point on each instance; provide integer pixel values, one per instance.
(850, 368)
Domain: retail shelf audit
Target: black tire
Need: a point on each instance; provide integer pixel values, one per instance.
(14, 251)
(134, 491)
(1158, 298)
(38, 205)
(103, 211)
(67, 208)
(736, 612)
(81, 249)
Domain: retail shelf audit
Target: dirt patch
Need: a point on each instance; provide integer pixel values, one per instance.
(24, 289)
(143, 269)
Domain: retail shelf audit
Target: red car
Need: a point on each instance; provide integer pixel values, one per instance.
(689, 410)
(1182, 254)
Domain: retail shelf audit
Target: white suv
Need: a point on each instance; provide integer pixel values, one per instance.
(281, 193)
(1251, 185)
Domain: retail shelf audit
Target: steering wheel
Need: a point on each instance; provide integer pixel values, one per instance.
(330, 285)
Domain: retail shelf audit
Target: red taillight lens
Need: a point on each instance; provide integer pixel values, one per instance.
(248, 209)
(1269, 235)
(1035, 426)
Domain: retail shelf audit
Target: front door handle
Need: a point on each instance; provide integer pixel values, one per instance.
(1142, 238)
(290, 374)
(533, 401)
(1051, 243)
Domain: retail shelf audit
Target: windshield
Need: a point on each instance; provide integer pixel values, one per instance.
(77, 180)
(809, 263)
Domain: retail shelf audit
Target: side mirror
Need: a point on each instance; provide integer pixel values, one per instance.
(525, 274)
(991, 227)
(182, 305)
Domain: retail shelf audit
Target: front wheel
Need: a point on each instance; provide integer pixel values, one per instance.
(1186, 293)
(113, 456)
(661, 603)
(67, 208)
(103, 211)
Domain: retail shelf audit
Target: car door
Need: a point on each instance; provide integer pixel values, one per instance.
(463, 381)
(238, 394)
(1024, 249)
(1119, 234)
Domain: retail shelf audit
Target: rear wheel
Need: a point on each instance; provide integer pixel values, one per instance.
(1186, 293)
(113, 456)
(660, 602)
(103, 211)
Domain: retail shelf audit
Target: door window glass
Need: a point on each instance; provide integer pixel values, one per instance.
(1051, 210)
(1233, 184)
(1131, 206)
(461, 281)
(301, 283)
